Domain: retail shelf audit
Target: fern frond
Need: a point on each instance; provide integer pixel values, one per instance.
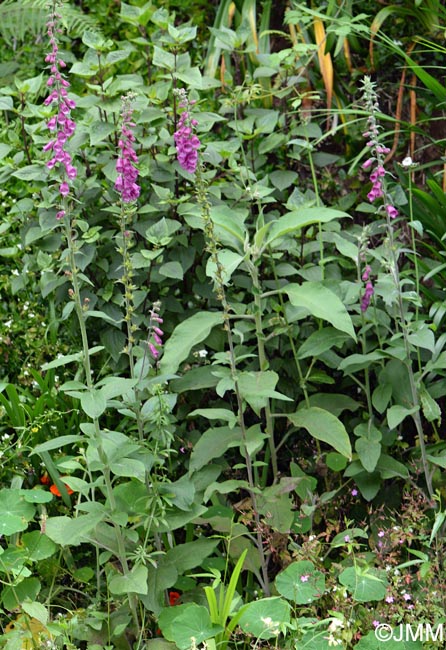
(19, 18)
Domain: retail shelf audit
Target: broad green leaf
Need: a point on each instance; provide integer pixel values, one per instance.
(301, 218)
(321, 341)
(396, 414)
(229, 261)
(36, 610)
(129, 467)
(190, 332)
(324, 426)
(355, 362)
(27, 589)
(258, 387)
(321, 302)
(38, 546)
(187, 624)
(430, 408)
(99, 131)
(216, 414)
(369, 452)
(185, 557)
(15, 512)
(56, 443)
(364, 585)
(93, 403)
(71, 532)
(437, 460)
(213, 443)
(230, 221)
(6, 103)
(172, 270)
(264, 618)
(381, 397)
(423, 338)
(301, 583)
(388, 467)
(31, 173)
(336, 403)
(134, 582)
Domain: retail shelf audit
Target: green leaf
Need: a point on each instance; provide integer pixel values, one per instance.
(258, 387)
(56, 443)
(12, 597)
(134, 582)
(369, 452)
(396, 414)
(38, 546)
(264, 618)
(213, 443)
(301, 218)
(301, 583)
(172, 270)
(183, 623)
(129, 467)
(31, 173)
(364, 585)
(6, 103)
(229, 261)
(99, 131)
(321, 341)
(388, 467)
(216, 414)
(15, 512)
(188, 333)
(324, 426)
(93, 403)
(36, 610)
(190, 555)
(431, 410)
(72, 532)
(321, 302)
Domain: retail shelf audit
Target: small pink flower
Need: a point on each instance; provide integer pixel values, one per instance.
(390, 599)
(304, 578)
(354, 492)
(407, 597)
(381, 533)
(391, 211)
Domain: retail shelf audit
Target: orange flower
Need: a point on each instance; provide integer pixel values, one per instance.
(56, 492)
(174, 597)
(45, 479)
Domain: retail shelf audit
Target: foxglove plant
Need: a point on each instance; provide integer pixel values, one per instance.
(61, 125)
(379, 190)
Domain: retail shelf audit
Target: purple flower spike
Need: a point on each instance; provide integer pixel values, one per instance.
(377, 151)
(127, 172)
(187, 144)
(60, 124)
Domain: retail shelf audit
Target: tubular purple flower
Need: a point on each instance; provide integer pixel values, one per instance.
(61, 123)
(366, 298)
(155, 332)
(127, 172)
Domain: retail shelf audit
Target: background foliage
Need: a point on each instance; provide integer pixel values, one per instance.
(275, 476)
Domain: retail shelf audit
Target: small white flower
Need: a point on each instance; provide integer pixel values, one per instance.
(202, 353)
(407, 162)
